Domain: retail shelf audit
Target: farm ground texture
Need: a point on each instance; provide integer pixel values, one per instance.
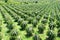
(28, 20)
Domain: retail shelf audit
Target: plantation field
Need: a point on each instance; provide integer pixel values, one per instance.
(30, 21)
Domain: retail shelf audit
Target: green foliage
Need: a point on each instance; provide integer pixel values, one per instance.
(23, 25)
(14, 33)
(29, 31)
(58, 34)
(41, 28)
(36, 37)
(21, 20)
(50, 35)
(52, 25)
(6, 0)
(34, 23)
